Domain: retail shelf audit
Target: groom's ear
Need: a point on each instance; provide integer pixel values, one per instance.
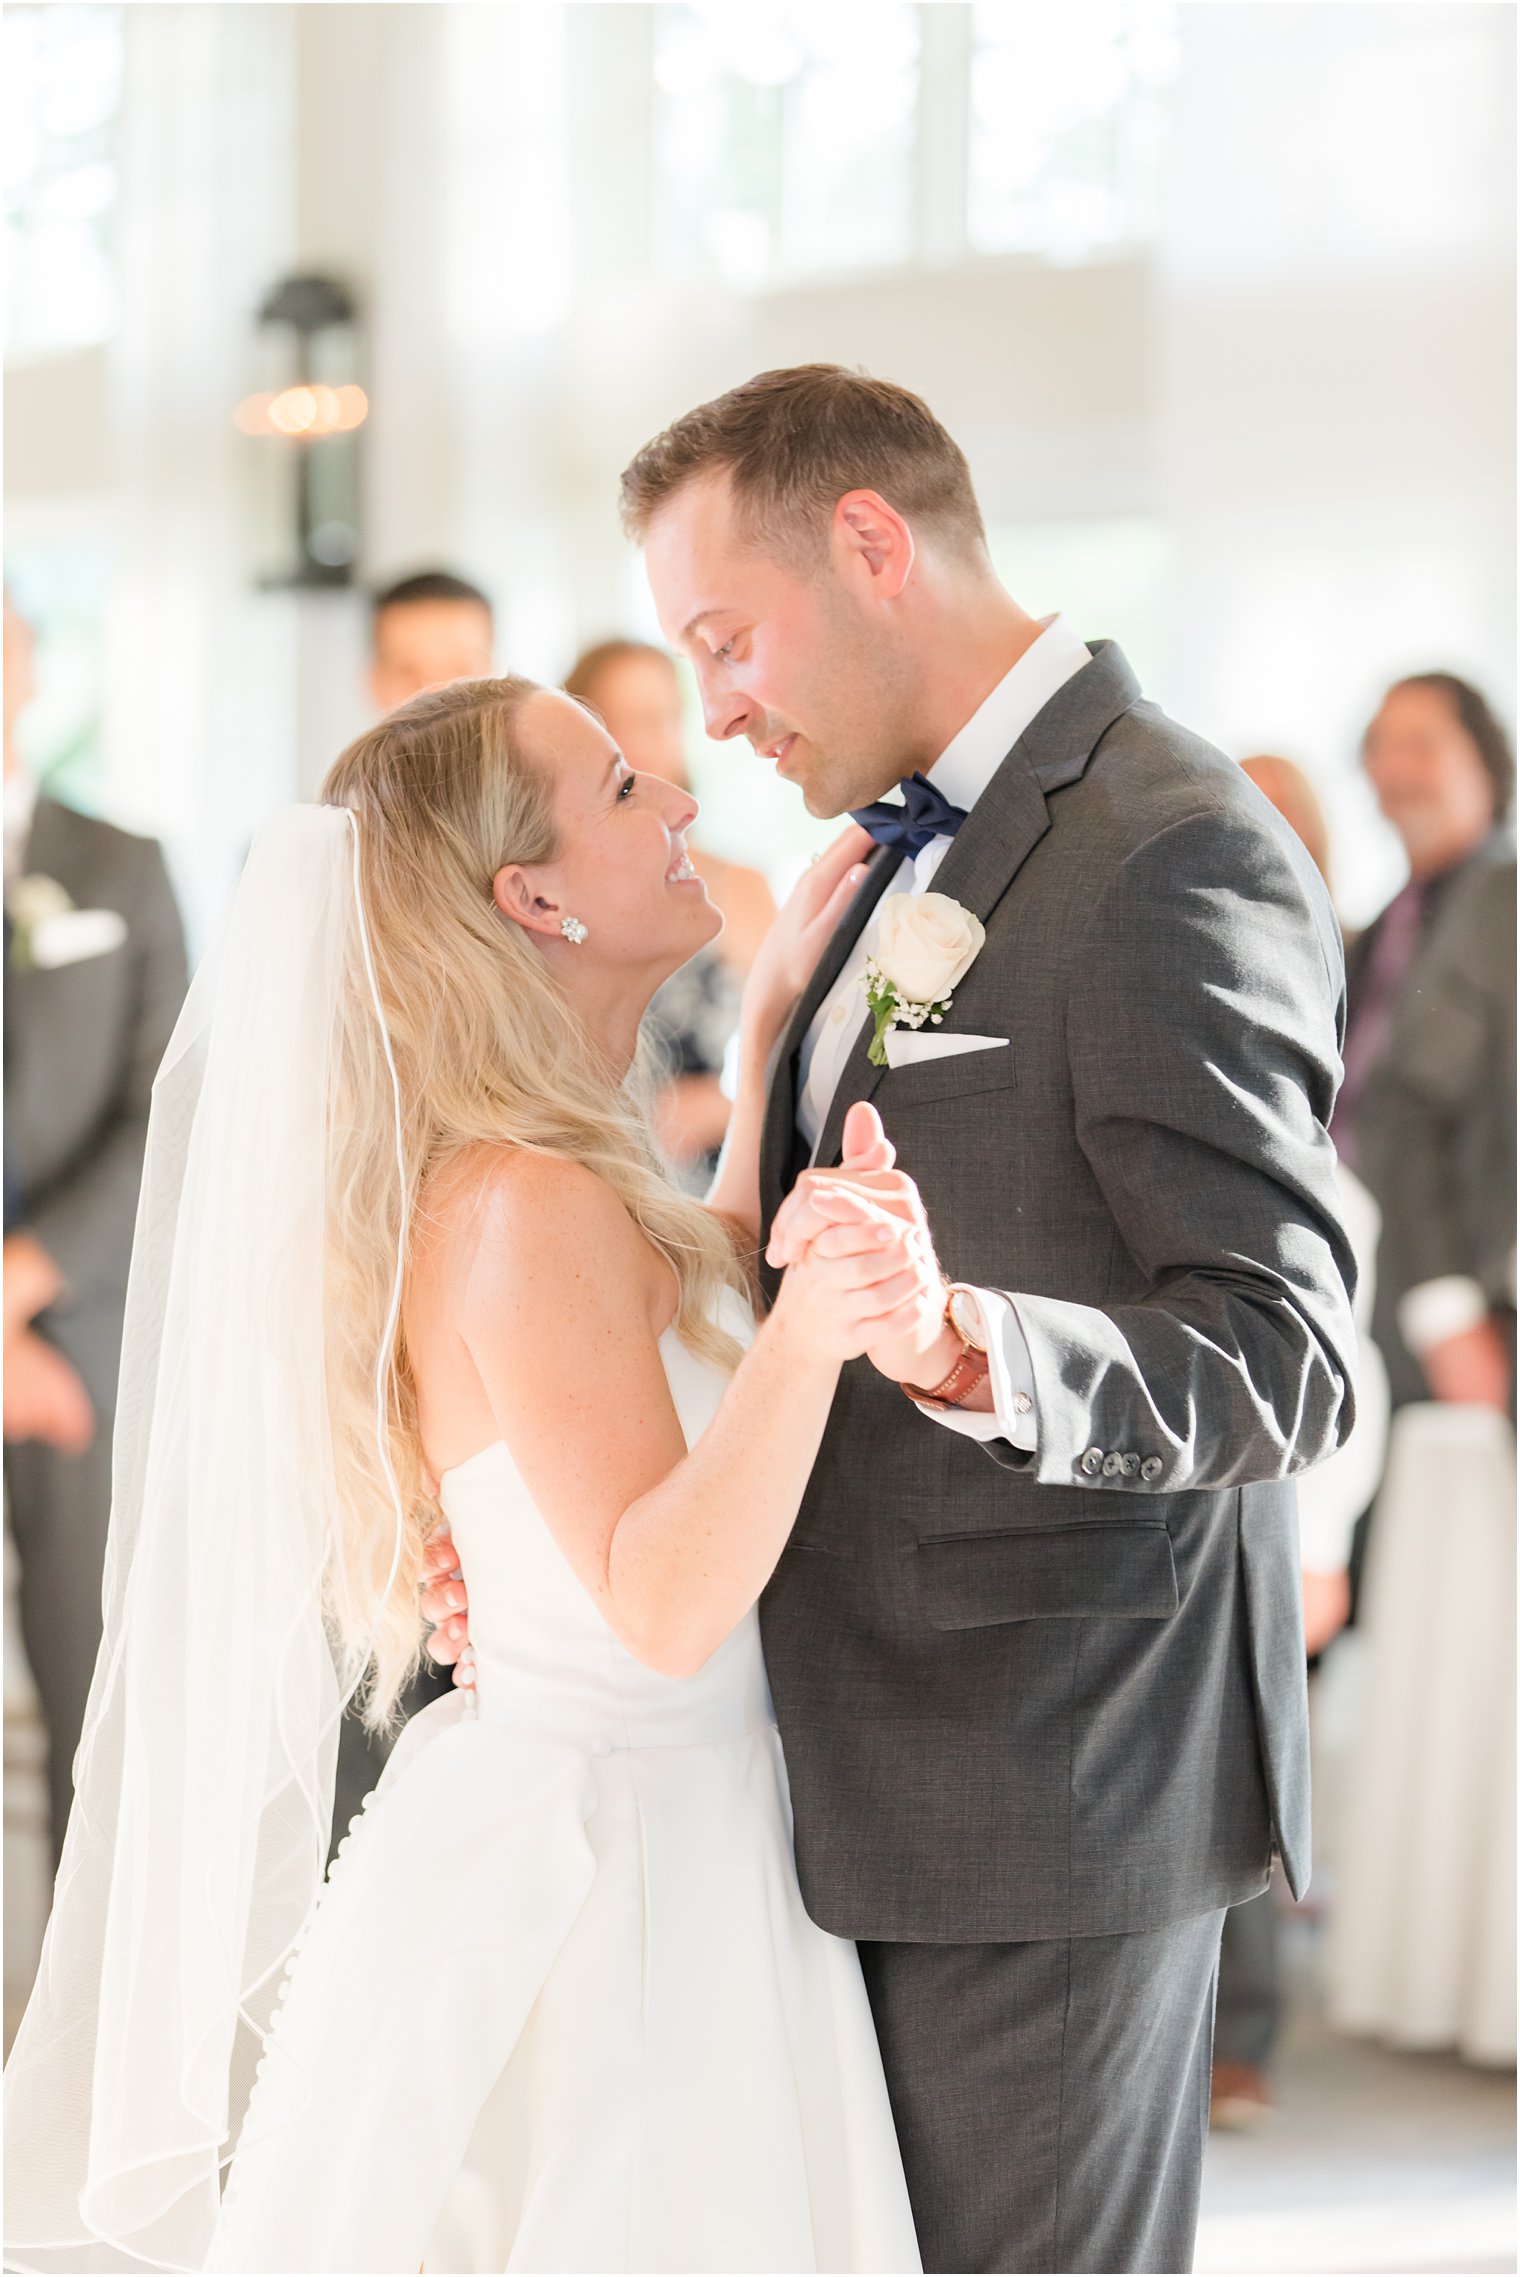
(517, 897)
(871, 536)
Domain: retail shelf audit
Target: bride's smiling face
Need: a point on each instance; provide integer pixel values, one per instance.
(621, 869)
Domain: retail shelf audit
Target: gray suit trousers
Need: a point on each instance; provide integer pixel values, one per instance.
(59, 1509)
(1052, 2098)
(1249, 2014)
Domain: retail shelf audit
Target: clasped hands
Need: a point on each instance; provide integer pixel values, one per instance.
(862, 1228)
(861, 1274)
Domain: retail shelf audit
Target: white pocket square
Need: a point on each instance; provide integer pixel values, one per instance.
(909, 1047)
(75, 935)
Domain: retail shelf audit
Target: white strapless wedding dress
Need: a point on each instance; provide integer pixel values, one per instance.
(560, 2007)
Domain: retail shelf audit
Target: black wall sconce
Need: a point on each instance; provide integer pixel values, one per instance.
(307, 421)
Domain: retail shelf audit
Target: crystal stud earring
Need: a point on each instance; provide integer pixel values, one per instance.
(573, 930)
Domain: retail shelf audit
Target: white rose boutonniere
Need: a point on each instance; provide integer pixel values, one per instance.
(925, 946)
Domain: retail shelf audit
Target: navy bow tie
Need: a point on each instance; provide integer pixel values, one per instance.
(925, 814)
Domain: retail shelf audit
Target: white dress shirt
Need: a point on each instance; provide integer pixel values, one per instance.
(962, 772)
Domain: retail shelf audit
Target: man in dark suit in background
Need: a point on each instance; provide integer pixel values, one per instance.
(1439, 1143)
(95, 980)
(1427, 1112)
(425, 629)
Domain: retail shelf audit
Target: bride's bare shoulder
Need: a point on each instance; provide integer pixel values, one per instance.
(486, 1180)
(546, 1217)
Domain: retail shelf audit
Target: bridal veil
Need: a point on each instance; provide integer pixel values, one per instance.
(204, 1779)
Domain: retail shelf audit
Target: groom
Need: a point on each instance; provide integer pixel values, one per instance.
(1035, 1643)
(1036, 1654)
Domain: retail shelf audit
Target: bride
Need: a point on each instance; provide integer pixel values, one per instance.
(405, 1252)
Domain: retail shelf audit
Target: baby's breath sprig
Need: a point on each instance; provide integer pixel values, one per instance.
(889, 1010)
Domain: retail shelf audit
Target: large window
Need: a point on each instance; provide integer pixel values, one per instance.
(1070, 121)
(783, 138)
(792, 140)
(61, 68)
(60, 587)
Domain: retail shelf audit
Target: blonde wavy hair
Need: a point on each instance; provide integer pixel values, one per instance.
(488, 1051)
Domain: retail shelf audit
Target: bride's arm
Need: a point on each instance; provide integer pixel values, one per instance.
(673, 1546)
(780, 972)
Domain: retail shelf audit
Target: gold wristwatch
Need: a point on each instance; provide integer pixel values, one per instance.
(964, 1315)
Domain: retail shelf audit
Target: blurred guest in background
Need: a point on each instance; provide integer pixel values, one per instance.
(94, 982)
(1284, 783)
(1441, 1143)
(424, 630)
(1422, 1945)
(1421, 1949)
(635, 690)
(1427, 1112)
(44, 1397)
(1327, 1504)
(1331, 1497)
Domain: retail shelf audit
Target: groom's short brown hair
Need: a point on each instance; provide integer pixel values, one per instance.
(792, 442)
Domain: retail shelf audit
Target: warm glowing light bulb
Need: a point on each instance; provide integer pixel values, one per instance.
(304, 414)
(294, 411)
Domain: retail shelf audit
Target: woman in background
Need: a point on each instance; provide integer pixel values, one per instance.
(1331, 1498)
(634, 689)
(1333, 1495)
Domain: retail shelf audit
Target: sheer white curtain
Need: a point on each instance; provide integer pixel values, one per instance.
(199, 667)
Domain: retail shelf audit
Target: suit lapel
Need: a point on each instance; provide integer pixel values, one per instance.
(1006, 824)
(778, 1136)
(1004, 827)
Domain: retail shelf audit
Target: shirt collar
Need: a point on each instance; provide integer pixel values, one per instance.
(972, 757)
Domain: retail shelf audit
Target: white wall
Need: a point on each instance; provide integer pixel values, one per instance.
(1337, 388)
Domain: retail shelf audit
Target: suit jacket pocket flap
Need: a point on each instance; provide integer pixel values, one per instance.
(956, 1076)
(1115, 1571)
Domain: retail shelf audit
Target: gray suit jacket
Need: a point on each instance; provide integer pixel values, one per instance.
(82, 1046)
(1437, 1127)
(1062, 1693)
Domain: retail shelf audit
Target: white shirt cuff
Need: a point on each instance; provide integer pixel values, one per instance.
(1325, 1524)
(1013, 1412)
(1437, 1309)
